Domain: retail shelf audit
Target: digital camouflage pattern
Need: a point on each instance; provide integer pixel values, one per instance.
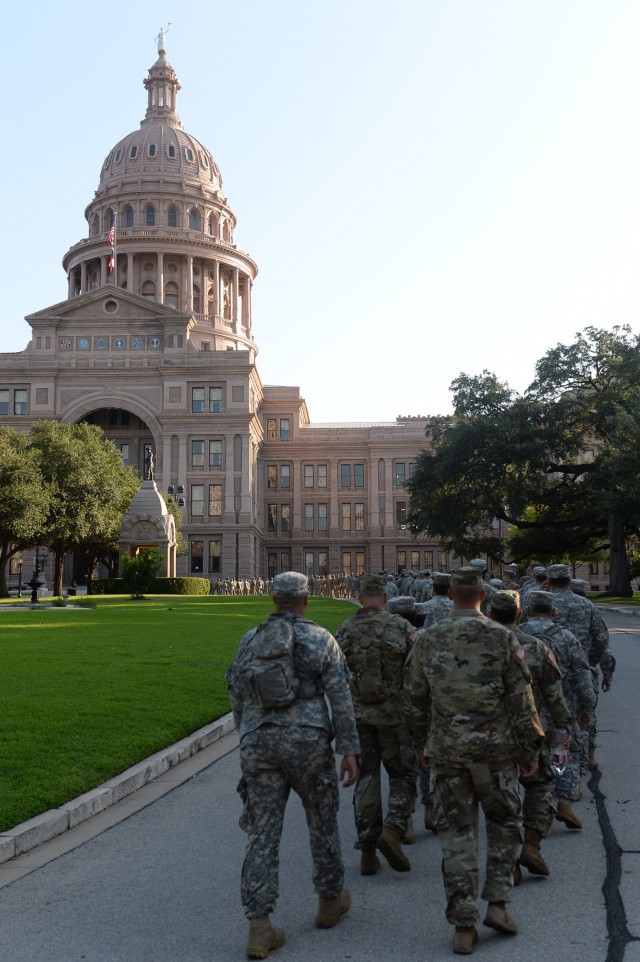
(435, 610)
(381, 727)
(273, 760)
(583, 619)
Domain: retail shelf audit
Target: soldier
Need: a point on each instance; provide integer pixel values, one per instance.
(480, 565)
(285, 742)
(391, 587)
(375, 644)
(547, 689)
(578, 693)
(540, 575)
(581, 617)
(470, 702)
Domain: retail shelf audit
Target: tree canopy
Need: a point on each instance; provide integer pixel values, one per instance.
(560, 464)
(24, 499)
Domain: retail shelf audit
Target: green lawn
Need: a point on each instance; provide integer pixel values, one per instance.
(88, 693)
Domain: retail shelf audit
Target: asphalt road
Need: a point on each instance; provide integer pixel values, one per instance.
(162, 885)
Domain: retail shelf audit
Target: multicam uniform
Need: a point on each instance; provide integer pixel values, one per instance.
(470, 700)
(287, 748)
(381, 728)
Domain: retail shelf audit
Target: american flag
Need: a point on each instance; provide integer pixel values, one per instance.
(112, 243)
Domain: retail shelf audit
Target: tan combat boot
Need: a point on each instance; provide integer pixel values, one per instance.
(428, 818)
(369, 863)
(389, 845)
(499, 919)
(330, 910)
(263, 938)
(530, 856)
(464, 939)
(409, 834)
(592, 763)
(564, 813)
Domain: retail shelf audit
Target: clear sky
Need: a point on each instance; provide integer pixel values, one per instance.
(427, 186)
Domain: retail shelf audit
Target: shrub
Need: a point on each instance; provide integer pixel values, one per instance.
(159, 586)
(106, 586)
(140, 571)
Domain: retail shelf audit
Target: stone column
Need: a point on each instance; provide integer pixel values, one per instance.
(103, 270)
(235, 290)
(83, 277)
(130, 285)
(216, 287)
(189, 282)
(160, 297)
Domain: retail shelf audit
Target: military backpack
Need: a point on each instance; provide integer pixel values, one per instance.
(375, 656)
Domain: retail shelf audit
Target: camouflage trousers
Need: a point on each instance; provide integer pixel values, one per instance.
(567, 785)
(537, 811)
(387, 745)
(275, 760)
(424, 783)
(457, 793)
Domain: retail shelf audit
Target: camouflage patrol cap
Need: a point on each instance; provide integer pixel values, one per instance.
(441, 579)
(478, 563)
(290, 584)
(420, 609)
(539, 572)
(541, 599)
(402, 605)
(373, 583)
(580, 587)
(505, 600)
(557, 572)
(496, 582)
(467, 578)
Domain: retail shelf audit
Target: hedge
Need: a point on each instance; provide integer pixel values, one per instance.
(160, 586)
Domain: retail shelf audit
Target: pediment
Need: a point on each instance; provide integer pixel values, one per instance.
(110, 305)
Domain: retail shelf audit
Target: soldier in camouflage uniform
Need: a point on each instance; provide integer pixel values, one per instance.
(480, 565)
(546, 679)
(471, 711)
(375, 644)
(290, 747)
(581, 617)
(578, 693)
(540, 576)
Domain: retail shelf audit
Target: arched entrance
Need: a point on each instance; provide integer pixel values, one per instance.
(130, 434)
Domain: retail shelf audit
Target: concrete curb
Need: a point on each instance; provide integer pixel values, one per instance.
(28, 835)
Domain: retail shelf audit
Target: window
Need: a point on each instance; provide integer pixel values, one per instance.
(308, 475)
(345, 517)
(215, 500)
(272, 518)
(346, 562)
(308, 563)
(359, 517)
(215, 553)
(359, 562)
(415, 561)
(322, 475)
(323, 563)
(428, 560)
(193, 220)
(412, 468)
(308, 517)
(196, 556)
(215, 400)
(284, 429)
(197, 400)
(150, 216)
(20, 402)
(189, 153)
(128, 217)
(322, 517)
(285, 561)
(172, 217)
(4, 401)
(171, 151)
(272, 476)
(345, 475)
(124, 451)
(400, 475)
(133, 153)
(152, 150)
(358, 475)
(443, 563)
(285, 476)
(271, 429)
(197, 454)
(401, 560)
(197, 500)
(401, 514)
(285, 514)
(272, 564)
(215, 454)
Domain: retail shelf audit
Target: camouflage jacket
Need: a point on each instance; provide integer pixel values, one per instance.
(435, 610)
(572, 661)
(469, 694)
(546, 681)
(318, 659)
(397, 641)
(583, 619)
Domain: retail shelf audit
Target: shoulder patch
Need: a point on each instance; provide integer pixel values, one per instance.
(519, 652)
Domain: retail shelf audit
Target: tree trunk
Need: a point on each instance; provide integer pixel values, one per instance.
(57, 577)
(619, 572)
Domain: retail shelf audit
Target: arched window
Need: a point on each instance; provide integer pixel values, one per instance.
(149, 290)
(194, 220)
(211, 225)
(152, 150)
(111, 217)
(150, 216)
(171, 151)
(197, 300)
(128, 217)
(171, 292)
(172, 217)
(133, 153)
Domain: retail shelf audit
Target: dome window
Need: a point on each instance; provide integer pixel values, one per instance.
(152, 150)
(150, 217)
(203, 159)
(189, 154)
(194, 220)
(118, 154)
(128, 217)
(171, 151)
(172, 217)
(133, 153)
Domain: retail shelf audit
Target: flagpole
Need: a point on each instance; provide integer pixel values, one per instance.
(115, 253)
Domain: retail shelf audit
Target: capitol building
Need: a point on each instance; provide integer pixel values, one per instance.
(154, 343)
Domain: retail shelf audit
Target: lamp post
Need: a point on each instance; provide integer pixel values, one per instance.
(19, 563)
(35, 582)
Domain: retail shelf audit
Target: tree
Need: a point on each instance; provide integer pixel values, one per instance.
(23, 498)
(140, 571)
(89, 488)
(560, 463)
